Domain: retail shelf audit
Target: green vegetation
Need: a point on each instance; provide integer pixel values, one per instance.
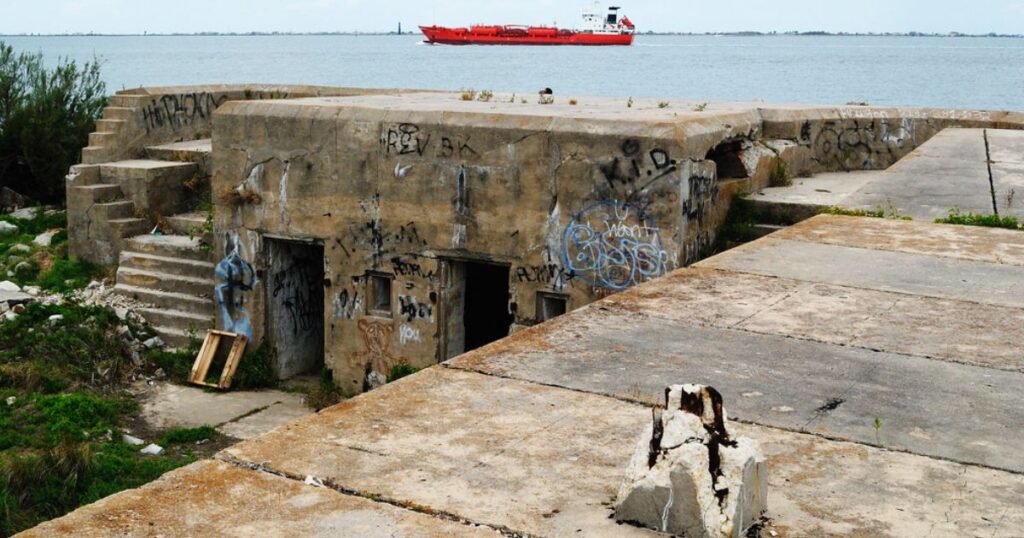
(181, 436)
(255, 371)
(61, 407)
(485, 96)
(987, 221)
(46, 116)
(701, 107)
(663, 104)
(51, 269)
(399, 371)
(779, 175)
(326, 394)
(889, 212)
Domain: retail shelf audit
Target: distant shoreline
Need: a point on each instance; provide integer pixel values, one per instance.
(395, 34)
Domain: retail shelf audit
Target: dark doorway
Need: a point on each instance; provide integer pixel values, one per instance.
(487, 316)
(476, 306)
(728, 161)
(295, 305)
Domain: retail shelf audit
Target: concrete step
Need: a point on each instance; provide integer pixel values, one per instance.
(127, 101)
(130, 227)
(179, 320)
(176, 338)
(186, 223)
(96, 154)
(148, 170)
(174, 266)
(102, 139)
(109, 126)
(99, 193)
(162, 281)
(123, 209)
(762, 230)
(170, 246)
(191, 151)
(167, 300)
(119, 113)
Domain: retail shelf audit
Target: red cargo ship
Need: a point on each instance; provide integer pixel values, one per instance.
(597, 30)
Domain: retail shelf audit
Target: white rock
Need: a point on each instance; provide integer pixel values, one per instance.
(153, 343)
(34, 291)
(152, 450)
(45, 239)
(671, 486)
(25, 213)
(6, 228)
(55, 320)
(19, 249)
(375, 380)
(11, 400)
(7, 285)
(134, 441)
(10, 316)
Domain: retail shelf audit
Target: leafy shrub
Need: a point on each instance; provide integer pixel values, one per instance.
(46, 116)
(399, 371)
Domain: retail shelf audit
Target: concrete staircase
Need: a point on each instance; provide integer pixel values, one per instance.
(174, 275)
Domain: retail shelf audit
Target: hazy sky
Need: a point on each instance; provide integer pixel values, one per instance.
(137, 16)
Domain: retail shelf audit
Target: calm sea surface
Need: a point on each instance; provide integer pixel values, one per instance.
(940, 72)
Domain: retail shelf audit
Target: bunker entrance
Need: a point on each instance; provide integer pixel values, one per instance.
(477, 311)
(295, 305)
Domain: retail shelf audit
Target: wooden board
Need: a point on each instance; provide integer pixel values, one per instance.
(208, 352)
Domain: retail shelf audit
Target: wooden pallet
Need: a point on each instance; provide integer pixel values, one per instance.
(207, 353)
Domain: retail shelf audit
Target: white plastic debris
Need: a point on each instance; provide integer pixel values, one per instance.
(152, 450)
(689, 477)
(134, 441)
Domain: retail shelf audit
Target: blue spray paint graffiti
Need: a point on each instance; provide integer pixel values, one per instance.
(611, 244)
(235, 277)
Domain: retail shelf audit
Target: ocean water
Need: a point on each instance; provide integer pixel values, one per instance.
(970, 73)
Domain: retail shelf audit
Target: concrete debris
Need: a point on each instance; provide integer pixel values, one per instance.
(7, 285)
(314, 481)
(153, 343)
(34, 291)
(45, 239)
(375, 380)
(129, 440)
(688, 476)
(6, 228)
(152, 450)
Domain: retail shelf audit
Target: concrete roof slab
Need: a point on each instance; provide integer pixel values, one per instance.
(961, 242)
(912, 274)
(213, 498)
(971, 414)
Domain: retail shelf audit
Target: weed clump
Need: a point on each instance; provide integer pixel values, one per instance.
(326, 394)
(181, 436)
(399, 371)
(986, 221)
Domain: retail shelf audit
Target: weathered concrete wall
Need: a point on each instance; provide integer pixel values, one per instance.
(577, 201)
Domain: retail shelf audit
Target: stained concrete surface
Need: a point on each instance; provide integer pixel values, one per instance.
(213, 498)
(532, 434)
(239, 414)
(948, 171)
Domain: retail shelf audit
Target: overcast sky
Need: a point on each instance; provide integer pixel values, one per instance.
(138, 16)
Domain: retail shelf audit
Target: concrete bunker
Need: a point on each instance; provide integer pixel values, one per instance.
(476, 306)
(295, 299)
(728, 160)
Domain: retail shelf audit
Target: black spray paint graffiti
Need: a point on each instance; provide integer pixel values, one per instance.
(347, 304)
(295, 288)
(411, 309)
(635, 166)
(235, 277)
(180, 110)
(552, 274)
(409, 139)
(612, 245)
(856, 145)
(403, 268)
(702, 199)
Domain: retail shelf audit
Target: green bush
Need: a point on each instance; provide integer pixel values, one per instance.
(399, 371)
(46, 116)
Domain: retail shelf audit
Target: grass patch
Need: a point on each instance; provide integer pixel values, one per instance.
(986, 221)
(255, 371)
(181, 436)
(67, 275)
(878, 212)
(399, 371)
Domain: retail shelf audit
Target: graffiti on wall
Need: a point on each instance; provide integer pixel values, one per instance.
(377, 339)
(411, 309)
(550, 274)
(175, 111)
(235, 278)
(295, 288)
(347, 303)
(613, 245)
(856, 144)
(635, 166)
(407, 139)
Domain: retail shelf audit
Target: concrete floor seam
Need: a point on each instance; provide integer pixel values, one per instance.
(740, 420)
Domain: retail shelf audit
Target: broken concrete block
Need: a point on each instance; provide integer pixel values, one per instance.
(689, 477)
(134, 441)
(6, 228)
(45, 239)
(153, 343)
(7, 285)
(152, 450)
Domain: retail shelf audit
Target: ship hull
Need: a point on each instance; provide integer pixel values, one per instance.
(539, 36)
